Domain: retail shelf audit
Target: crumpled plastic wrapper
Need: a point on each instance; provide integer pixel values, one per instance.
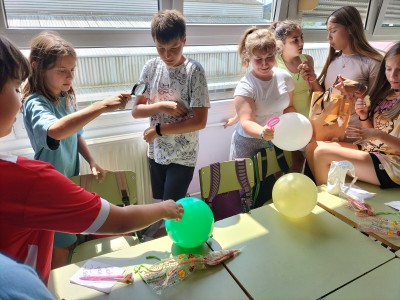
(172, 270)
(337, 176)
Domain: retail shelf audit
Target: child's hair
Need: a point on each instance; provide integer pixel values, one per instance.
(13, 64)
(284, 28)
(381, 87)
(46, 48)
(167, 25)
(253, 40)
(350, 17)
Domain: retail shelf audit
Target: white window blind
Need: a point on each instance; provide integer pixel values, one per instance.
(392, 14)
(129, 13)
(228, 11)
(79, 14)
(316, 18)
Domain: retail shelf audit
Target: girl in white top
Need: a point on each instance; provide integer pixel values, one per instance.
(264, 92)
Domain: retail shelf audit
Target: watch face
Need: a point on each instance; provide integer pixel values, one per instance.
(138, 89)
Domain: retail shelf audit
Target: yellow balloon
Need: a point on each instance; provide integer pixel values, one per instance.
(294, 195)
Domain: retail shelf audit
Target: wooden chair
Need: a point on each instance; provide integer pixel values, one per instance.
(118, 188)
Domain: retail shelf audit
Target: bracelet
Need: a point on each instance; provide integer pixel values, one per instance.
(158, 130)
(262, 134)
(362, 120)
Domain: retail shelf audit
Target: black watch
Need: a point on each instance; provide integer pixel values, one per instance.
(158, 130)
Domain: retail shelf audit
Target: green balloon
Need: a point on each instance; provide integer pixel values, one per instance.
(196, 224)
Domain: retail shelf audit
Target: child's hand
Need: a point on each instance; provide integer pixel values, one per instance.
(98, 172)
(172, 108)
(346, 86)
(231, 121)
(268, 133)
(361, 108)
(172, 210)
(150, 134)
(117, 102)
(306, 71)
(362, 134)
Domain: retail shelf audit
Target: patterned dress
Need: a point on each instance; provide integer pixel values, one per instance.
(389, 158)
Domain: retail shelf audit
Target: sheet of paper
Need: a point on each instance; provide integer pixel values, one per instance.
(357, 193)
(394, 204)
(95, 268)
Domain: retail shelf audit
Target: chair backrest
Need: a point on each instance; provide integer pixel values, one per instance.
(228, 179)
(118, 187)
(269, 164)
(226, 187)
(272, 161)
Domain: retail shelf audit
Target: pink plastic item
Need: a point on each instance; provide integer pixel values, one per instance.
(273, 121)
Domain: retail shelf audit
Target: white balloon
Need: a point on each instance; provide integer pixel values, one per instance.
(293, 132)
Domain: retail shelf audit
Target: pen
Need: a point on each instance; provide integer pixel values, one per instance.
(95, 278)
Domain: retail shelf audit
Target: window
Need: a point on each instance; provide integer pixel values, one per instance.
(388, 22)
(228, 12)
(79, 14)
(316, 18)
(103, 72)
(114, 42)
(392, 14)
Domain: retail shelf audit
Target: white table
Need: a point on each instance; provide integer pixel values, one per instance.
(212, 283)
(295, 258)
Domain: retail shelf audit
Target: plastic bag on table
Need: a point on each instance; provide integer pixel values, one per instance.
(337, 176)
(172, 270)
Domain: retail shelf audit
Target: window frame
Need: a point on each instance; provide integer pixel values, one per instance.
(384, 32)
(197, 34)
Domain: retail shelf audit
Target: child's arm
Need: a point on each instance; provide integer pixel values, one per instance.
(350, 87)
(197, 122)
(370, 133)
(390, 140)
(71, 123)
(135, 217)
(290, 107)
(231, 121)
(246, 107)
(307, 71)
(143, 110)
(83, 149)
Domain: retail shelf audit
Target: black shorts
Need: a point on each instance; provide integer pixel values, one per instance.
(170, 181)
(384, 179)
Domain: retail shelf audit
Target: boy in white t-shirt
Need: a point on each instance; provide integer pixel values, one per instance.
(176, 100)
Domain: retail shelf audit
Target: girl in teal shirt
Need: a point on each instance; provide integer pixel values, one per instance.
(52, 121)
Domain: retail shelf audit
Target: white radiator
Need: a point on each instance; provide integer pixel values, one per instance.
(124, 152)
